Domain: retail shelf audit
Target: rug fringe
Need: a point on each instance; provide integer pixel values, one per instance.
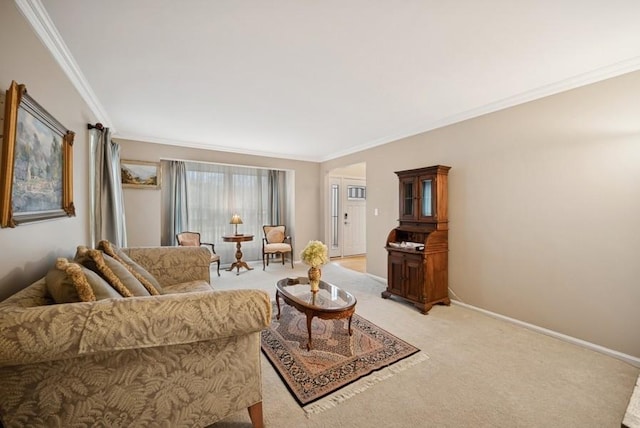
(363, 384)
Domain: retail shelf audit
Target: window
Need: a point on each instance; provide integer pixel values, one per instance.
(216, 192)
(356, 192)
(335, 216)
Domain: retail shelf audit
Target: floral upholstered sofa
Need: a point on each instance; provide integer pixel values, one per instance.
(182, 356)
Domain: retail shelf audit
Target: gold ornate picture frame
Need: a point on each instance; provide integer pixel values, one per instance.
(36, 163)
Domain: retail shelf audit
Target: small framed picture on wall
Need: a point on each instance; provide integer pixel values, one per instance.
(140, 174)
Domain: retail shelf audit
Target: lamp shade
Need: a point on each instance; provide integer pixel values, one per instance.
(235, 219)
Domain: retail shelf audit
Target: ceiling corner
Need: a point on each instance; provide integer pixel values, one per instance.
(38, 18)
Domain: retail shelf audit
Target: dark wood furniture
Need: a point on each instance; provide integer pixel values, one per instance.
(238, 239)
(418, 248)
(328, 302)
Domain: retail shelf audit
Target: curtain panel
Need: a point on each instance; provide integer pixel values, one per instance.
(107, 216)
(175, 215)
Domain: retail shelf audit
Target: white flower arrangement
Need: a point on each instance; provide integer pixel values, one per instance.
(315, 254)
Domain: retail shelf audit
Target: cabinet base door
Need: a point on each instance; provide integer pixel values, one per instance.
(414, 278)
(395, 274)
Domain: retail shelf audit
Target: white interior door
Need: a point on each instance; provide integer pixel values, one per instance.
(346, 216)
(354, 217)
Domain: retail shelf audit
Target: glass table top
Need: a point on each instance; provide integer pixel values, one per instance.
(328, 297)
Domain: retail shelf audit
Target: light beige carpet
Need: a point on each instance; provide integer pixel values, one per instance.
(481, 372)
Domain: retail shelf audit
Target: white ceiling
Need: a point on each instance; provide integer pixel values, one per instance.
(315, 80)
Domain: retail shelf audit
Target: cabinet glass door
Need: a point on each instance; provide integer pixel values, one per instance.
(407, 201)
(426, 209)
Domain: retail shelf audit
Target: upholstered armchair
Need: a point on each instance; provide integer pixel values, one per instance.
(192, 239)
(275, 241)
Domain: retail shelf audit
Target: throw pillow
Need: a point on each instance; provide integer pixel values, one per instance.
(112, 271)
(70, 282)
(146, 279)
(275, 235)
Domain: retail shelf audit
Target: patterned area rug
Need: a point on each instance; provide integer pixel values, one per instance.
(336, 360)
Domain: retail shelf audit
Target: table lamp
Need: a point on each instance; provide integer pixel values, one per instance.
(235, 219)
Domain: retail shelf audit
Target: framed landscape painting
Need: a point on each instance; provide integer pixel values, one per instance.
(139, 174)
(36, 182)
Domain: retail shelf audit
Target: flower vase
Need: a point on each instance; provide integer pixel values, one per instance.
(314, 278)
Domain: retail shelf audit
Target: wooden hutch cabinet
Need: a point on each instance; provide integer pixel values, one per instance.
(418, 248)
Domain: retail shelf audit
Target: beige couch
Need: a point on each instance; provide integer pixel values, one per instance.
(184, 358)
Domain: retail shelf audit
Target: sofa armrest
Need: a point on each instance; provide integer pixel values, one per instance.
(174, 319)
(173, 265)
(35, 333)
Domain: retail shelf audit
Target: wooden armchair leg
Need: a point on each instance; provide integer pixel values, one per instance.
(218, 267)
(255, 413)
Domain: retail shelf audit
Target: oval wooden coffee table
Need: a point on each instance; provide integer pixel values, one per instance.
(329, 302)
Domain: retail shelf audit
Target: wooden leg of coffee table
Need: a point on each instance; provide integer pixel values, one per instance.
(309, 319)
(278, 304)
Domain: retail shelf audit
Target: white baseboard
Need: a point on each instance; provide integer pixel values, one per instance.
(377, 278)
(630, 359)
(634, 361)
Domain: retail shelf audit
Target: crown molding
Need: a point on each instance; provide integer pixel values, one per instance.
(207, 146)
(574, 82)
(37, 16)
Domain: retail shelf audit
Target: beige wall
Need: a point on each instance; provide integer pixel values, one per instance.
(29, 250)
(142, 207)
(544, 209)
(358, 170)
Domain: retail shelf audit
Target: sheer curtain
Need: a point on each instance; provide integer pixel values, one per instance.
(106, 217)
(216, 192)
(175, 216)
